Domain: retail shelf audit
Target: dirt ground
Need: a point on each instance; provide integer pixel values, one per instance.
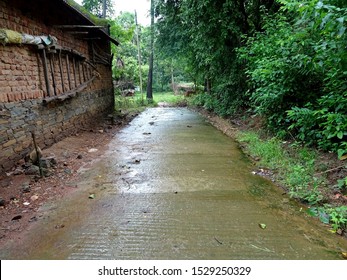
(21, 196)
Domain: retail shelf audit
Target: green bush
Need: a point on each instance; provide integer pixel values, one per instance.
(297, 72)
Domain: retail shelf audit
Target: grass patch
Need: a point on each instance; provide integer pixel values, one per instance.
(130, 103)
(169, 98)
(294, 166)
(139, 102)
(295, 169)
(268, 153)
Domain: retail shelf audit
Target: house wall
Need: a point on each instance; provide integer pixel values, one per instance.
(22, 89)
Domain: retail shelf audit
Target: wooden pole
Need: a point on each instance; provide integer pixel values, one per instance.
(61, 73)
(51, 62)
(74, 70)
(68, 71)
(79, 72)
(83, 73)
(37, 154)
(45, 71)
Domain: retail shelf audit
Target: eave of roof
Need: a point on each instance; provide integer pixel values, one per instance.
(91, 24)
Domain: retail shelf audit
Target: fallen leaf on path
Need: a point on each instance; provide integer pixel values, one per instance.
(59, 226)
(18, 217)
(14, 200)
(92, 196)
(219, 242)
(262, 226)
(343, 157)
(33, 219)
(34, 197)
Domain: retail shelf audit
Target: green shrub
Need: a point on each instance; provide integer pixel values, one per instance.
(297, 72)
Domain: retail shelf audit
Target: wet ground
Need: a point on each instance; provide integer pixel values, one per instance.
(171, 186)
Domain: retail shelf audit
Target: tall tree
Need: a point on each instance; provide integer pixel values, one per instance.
(150, 72)
(139, 53)
(100, 8)
(208, 34)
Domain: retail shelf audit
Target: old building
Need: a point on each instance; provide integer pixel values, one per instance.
(55, 74)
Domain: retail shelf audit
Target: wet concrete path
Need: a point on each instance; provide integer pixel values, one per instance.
(171, 186)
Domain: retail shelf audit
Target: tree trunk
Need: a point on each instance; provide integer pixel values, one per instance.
(150, 72)
(173, 79)
(139, 53)
(150, 79)
(104, 7)
(207, 87)
(257, 17)
(244, 24)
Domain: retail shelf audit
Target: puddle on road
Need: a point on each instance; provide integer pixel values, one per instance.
(171, 186)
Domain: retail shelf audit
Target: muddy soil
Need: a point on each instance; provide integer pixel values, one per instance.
(22, 196)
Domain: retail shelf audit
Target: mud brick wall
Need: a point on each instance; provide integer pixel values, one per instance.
(50, 124)
(22, 89)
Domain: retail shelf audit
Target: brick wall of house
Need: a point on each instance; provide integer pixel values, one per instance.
(22, 89)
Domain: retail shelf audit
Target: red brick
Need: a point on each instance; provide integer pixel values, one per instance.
(3, 98)
(9, 143)
(6, 89)
(5, 72)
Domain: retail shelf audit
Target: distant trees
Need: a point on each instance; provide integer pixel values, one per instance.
(96, 7)
(123, 27)
(207, 34)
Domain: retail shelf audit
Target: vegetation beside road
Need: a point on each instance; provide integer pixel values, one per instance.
(306, 174)
(139, 101)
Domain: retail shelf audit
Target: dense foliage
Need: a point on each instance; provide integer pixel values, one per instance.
(285, 59)
(123, 28)
(206, 34)
(297, 71)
